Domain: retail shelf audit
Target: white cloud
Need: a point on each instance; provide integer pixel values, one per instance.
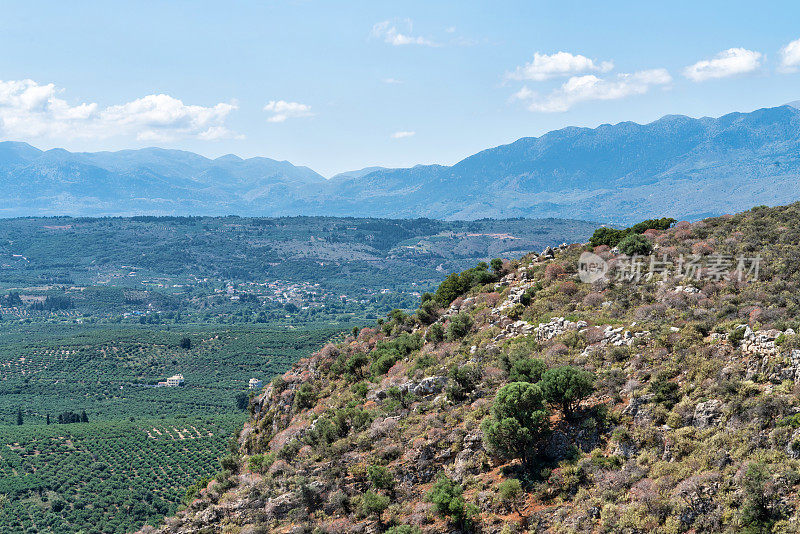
(403, 134)
(590, 87)
(282, 110)
(160, 117)
(790, 56)
(29, 110)
(387, 30)
(392, 81)
(544, 66)
(729, 62)
(218, 132)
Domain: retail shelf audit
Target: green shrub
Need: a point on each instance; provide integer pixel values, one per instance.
(427, 312)
(405, 343)
(567, 386)
(399, 317)
(384, 362)
(403, 529)
(380, 477)
(652, 224)
(360, 389)
(517, 422)
(516, 311)
(463, 380)
(447, 497)
(259, 463)
(354, 366)
(527, 296)
(664, 392)
(527, 370)
(606, 236)
(397, 397)
(736, 335)
(435, 333)
(229, 463)
(373, 504)
(612, 237)
(423, 362)
(290, 450)
(458, 326)
(760, 509)
(456, 285)
(387, 353)
(305, 397)
(336, 424)
(635, 244)
(792, 421)
(509, 489)
(191, 492)
(497, 266)
(451, 288)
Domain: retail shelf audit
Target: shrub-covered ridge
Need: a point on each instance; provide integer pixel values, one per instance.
(519, 399)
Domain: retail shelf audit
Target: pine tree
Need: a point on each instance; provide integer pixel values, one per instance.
(48, 419)
(19, 416)
(84, 417)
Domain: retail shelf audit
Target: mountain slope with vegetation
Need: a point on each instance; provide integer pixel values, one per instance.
(519, 399)
(680, 166)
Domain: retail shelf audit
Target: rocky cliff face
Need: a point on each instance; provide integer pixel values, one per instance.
(426, 423)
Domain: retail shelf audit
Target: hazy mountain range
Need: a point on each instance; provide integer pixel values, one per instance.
(676, 166)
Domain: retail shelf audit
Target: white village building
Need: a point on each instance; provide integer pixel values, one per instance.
(255, 383)
(175, 380)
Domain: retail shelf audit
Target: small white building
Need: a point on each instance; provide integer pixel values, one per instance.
(174, 381)
(255, 383)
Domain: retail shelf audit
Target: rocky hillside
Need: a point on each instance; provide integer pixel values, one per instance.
(660, 397)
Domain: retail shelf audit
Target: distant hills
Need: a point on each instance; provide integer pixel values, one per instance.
(147, 181)
(676, 166)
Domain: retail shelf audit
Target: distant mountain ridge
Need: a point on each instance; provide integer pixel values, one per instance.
(150, 180)
(676, 166)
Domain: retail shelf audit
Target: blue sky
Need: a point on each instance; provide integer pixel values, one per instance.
(340, 86)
